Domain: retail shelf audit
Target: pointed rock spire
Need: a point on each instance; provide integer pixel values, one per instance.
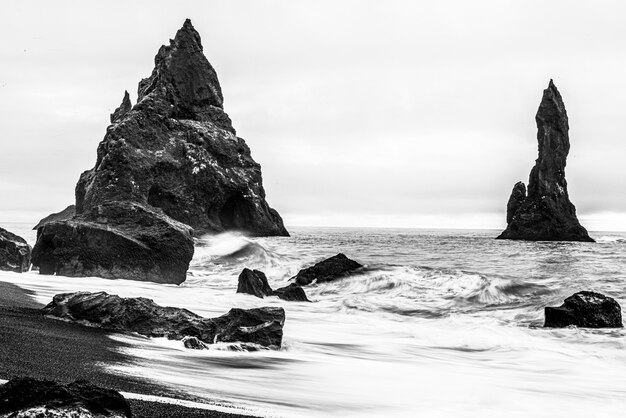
(546, 214)
(123, 109)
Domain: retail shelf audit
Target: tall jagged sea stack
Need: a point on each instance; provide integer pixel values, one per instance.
(168, 167)
(546, 213)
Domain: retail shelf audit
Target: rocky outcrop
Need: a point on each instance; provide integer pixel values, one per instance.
(67, 213)
(254, 282)
(261, 326)
(15, 252)
(327, 270)
(176, 150)
(546, 213)
(116, 240)
(26, 397)
(585, 309)
(175, 159)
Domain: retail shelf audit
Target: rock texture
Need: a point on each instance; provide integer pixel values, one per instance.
(116, 240)
(327, 270)
(67, 213)
(254, 282)
(261, 326)
(26, 397)
(15, 252)
(176, 150)
(585, 309)
(546, 213)
(173, 159)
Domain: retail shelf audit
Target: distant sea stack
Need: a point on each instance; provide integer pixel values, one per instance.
(168, 167)
(546, 213)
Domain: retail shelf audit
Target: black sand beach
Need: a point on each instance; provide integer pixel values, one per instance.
(35, 346)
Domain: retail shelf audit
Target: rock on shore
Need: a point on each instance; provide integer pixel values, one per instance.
(15, 253)
(67, 213)
(585, 309)
(26, 397)
(254, 282)
(327, 270)
(546, 213)
(173, 159)
(261, 326)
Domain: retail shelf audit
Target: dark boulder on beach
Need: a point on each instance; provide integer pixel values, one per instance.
(327, 270)
(67, 213)
(262, 326)
(585, 309)
(546, 213)
(26, 397)
(174, 159)
(254, 282)
(116, 240)
(15, 253)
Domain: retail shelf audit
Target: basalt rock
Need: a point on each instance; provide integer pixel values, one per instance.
(546, 213)
(14, 252)
(585, 309)
(176, 150)
(67, 213)
(254, 282)
(261, 326)
(26, 397)
(122, 109)
(116, 240)
(327, 270)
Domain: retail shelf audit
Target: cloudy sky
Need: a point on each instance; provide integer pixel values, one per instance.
(361, 113)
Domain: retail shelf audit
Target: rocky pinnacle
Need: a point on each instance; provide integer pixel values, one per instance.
(546, 213)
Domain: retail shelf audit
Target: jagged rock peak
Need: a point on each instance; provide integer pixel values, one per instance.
(122, 109)
(184, 78)
(546, 213)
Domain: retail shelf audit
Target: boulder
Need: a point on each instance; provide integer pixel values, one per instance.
(65, 214)
(15, 252)
(262, 326)
(585, 309)
(194, 343)
(327, 270)
(116, 240)
(546, 213)
(177, 150)
(26, 397)
(254, 282)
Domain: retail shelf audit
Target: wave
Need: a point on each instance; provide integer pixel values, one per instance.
(611, 239)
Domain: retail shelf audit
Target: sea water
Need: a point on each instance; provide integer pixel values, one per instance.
(439, 323)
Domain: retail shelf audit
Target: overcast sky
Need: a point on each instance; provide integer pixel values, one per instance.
(381, 113)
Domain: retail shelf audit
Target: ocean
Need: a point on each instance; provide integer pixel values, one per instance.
(441, 323)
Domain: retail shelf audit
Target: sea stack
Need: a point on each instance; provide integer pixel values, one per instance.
(168, 167)
(546, 213)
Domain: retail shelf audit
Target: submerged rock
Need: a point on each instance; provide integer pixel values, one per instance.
(585, 309)
(15, 252)
(173, 157)
(116, 240)
(546, 213)
(26, 397)
(254, 282)
(67, 213)
(262, 326)
(327, 270)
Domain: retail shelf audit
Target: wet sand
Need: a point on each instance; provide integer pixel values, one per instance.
(43, 348)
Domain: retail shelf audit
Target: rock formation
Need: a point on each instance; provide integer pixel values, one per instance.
(173, 159)
(585, 309)
(546, 213)
(327, 270)
(26, 397)
(261, 326)
(254, 282)
(14, 252)
(67, 213)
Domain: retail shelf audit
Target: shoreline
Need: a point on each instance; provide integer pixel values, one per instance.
(34, 346)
